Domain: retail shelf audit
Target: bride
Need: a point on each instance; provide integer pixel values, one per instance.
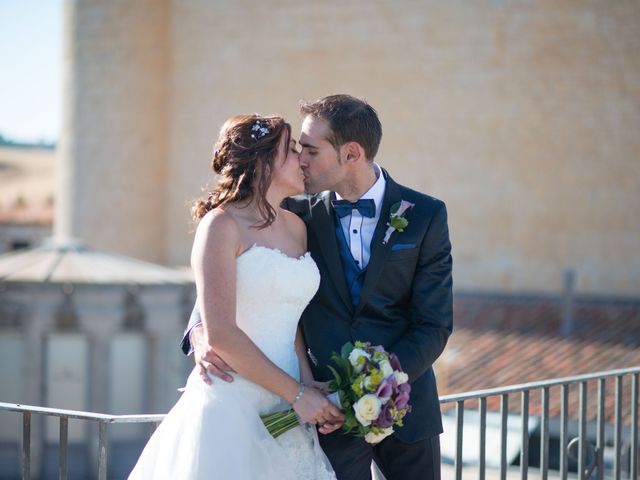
(253, 278)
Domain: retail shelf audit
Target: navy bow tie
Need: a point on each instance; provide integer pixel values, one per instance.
(366, 207)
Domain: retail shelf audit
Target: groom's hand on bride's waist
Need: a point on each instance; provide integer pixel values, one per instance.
(207, 361)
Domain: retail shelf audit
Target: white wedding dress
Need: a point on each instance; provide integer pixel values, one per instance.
(215, 432)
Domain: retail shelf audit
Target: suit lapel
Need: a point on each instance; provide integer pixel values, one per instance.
(379, 251)
(323, 227)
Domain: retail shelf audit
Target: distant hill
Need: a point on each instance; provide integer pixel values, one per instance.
(42, 145)
(27, 177)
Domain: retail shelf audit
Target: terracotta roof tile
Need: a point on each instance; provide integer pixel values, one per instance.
(27, 216)
(500, 341)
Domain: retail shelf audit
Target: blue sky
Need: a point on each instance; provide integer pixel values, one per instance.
(30, 69)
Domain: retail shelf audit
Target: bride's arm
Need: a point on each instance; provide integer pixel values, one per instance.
(306, 376)
(213, 259)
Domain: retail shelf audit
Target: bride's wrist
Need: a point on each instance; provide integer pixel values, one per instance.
(299, 394)
(290, 390)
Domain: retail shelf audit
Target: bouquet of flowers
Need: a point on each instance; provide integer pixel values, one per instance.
(371, 388)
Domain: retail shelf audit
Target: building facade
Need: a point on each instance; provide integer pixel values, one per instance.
(521, 116)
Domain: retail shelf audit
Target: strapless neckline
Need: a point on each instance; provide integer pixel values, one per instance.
(255, 247)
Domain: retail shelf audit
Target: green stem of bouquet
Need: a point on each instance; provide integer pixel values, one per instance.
(280, 422)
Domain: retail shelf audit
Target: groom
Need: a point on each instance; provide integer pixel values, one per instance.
(387, 287)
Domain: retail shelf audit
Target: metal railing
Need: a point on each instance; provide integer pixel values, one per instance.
(581, 442)
(481, 397)
(64, 415)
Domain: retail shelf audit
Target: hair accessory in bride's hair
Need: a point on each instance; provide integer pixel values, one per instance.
(259, 130)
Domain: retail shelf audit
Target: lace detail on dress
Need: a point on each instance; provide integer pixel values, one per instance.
(306, 458)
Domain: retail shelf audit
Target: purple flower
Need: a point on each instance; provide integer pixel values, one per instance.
(404, 388)
(394, 383)
(395, 363)
(385, 419)
(402, 400)
(385, 390)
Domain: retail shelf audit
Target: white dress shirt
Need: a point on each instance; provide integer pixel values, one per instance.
(358, 230)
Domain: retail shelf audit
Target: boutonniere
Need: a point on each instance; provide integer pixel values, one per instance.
(396, 219)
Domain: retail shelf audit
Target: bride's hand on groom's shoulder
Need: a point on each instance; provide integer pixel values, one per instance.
(207, 361)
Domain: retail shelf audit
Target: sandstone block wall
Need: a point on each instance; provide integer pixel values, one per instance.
(113, 150)
(522, 116)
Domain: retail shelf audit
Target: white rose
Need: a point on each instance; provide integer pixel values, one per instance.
(354, 359)
(367, 409)
(378, 437)
(401, 377)
(386, 368)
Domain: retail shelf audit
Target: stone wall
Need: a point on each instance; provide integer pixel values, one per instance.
(522, 116)
(113, 150)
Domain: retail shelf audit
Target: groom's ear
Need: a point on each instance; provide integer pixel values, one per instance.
(352, 152)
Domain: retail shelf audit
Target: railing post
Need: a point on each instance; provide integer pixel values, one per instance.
(524, 453)
(459, 433)
(634, 426)
(483, 438)
(564, 434)
(102, 450)
(504, 412)
(582, 432)
(64, 443)
(601, 422)
(544, 435)
(617, 462)
(26, 446)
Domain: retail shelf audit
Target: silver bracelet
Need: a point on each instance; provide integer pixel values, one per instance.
(299, 395)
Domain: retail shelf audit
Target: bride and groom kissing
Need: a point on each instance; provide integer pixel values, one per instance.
(284, 280)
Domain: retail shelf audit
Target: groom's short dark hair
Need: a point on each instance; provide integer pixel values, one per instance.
(350, 120)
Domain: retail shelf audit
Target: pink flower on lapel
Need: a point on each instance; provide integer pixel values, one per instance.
(396, 219)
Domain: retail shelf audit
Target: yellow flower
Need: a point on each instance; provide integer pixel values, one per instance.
(357, 385)
(373, 380)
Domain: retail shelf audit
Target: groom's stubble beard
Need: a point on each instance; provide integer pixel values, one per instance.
(312, 187)
(310, 190)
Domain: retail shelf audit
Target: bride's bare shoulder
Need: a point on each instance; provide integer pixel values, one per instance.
(296, 226)
(218, 226)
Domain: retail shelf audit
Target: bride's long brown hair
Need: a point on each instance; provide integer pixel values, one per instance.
(243, 158)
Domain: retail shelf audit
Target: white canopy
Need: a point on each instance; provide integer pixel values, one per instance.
(73, 262)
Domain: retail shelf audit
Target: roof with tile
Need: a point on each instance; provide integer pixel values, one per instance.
(27, 216)
(500, 341)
